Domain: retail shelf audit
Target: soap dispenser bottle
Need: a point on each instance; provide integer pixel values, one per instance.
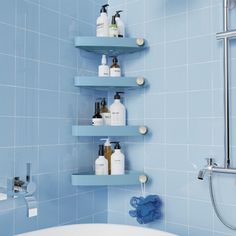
(101, 163)
(113, 28)
(97, 118)
(103, 69)
(117, 161)
(115, 70)
(120, 24)
(108, 153)
(106, 115)
(103, 23)
(118, 111)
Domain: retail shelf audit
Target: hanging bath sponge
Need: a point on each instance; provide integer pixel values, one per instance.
(147, 209)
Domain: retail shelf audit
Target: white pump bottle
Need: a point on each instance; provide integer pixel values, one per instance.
(103, 69)
(120, 24)
(117, 161)
(103, 23)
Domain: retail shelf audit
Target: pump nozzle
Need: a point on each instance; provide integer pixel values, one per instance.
(107, 143)
(103, 9)
(118, 13)
(117, 145)
(117, 95)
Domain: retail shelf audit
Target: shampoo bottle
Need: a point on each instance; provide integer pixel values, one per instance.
(118, 112)
(115, 70)
(117, 161)
(108, 153)
(106, 115)
(97, 118)
(103, 23)
(101, 163)
(103, 69)
(113, 28)
(120, 24)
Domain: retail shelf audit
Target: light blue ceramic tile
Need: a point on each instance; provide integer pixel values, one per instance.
(27, 15)
(154, 9)
(181, 230)
(7, 45)
(65, 136)
(49, 49)
(69, 7)
(7, 162)
(218, 103)
(7, 63)
(26, 73)
(48, 214)
(198, 4)
(68, 105)
(85, 204)
(48, 159)
(102, 196)
(69, 28)
(27, 44)
(154, 106)
(49, 186)
(23, 223)
(68, 209)
(85, 220)
(66, 188)
(26, 102)
(197, 232)
(7, 12)
(48, 104)
(157, 35)
(68, 54)
(67, 80)
(153, 61)
(200, 104)
(100, 218)
(196, 218)
(176, 27)
(176, 53)
(176, 79)
(51, 4)
(7, 127)
(85, 11)
(218, 131)
(173, 8)
(7, 101)
(116, 218)
(49, 22)
(176, 184)
(48, 131)
(176, 210)
(6, 222)
(155, 80)
(199, 22)
(154, 156)
(49, 76)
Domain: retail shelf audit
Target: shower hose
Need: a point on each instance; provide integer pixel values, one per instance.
(215, 205)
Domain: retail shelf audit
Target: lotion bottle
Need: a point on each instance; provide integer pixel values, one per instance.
(117, 161)
(97, 118)
(102, 29)
(106, 115)
(103, 69)
(120, 24)
(108, 153)
(101, 163)
(118, 111)
(115, 70)
(113, 28)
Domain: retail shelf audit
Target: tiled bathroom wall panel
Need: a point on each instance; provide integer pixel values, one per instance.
(39, 104)
(183, 108)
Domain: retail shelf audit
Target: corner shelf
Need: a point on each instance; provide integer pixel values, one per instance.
(90, 179)
(109, 83)
(99, 131)
(110, 46)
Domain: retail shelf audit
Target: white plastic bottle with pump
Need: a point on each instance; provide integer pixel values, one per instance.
(103, 23)
(117, 161)
(103, 69)
(101, 163)
(118, 112)
(120, 24)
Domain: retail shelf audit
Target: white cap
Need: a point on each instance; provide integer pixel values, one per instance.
(104, 60)
(107, 143)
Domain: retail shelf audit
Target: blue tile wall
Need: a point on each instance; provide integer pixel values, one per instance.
(183, 107)
(39, 104)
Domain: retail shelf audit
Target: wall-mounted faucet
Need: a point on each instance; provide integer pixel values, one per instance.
(207, 169)
(24, 188)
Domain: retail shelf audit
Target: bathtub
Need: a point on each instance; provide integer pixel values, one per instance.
(97, 230)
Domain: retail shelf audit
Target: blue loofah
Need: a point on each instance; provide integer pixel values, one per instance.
(147, 209)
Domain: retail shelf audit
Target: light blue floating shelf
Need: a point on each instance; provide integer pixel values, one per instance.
(92, 131)
(110, 83)
(90, 179)
(110, 46)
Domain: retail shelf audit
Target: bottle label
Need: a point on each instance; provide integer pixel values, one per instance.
(113, 32)
(99, 169)
(115, 72)
(103, 71)
(97, 121)
(117, 119)
(106, 118)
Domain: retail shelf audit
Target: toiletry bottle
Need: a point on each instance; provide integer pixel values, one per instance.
(108, 153)
(117, 161)
(101, 163)
(103, 23)
(106, 115)
(103, 69)
(115, 70)
(97, 118)
(120, 24)
(118, 111)
(113, 28)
